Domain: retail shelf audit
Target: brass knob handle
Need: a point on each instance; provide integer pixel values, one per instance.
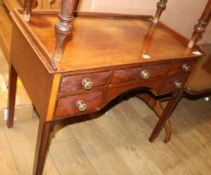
(185, 67)
(81, 105)
(87, 83)
(177, 84)
(145, 74)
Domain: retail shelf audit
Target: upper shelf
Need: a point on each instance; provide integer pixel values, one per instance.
(108, 41)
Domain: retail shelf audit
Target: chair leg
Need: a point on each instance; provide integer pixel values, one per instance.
(157, 107)
(12, 94)
(167, 113)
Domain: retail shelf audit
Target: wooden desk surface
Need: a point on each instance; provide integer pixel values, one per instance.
(103, 42)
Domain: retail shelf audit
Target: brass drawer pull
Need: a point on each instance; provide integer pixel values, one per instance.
(81, 105)
(186, 68)
(145, 74)
(177, 84)
(87, 83)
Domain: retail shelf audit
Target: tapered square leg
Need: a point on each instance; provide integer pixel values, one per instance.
(12, 94)
(41, 146)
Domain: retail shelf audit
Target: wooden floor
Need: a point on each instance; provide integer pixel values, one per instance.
(116, 143)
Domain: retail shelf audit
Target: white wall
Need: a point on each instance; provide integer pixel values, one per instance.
(181, 15)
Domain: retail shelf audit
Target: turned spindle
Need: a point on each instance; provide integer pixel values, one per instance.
(64, 27)
(52, 1)
(200, 28)
(161, 6)
(28, 5)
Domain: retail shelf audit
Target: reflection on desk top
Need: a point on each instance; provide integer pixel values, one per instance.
(103, 42)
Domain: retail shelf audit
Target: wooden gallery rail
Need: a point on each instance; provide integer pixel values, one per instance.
(95, 58)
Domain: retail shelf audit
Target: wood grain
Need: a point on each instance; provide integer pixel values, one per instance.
(95, 36)
(30, 63)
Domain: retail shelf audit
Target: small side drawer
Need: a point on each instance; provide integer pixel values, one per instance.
(183, 67)
(140, 73)
(172, 83)
(78, 104)
(76, 82)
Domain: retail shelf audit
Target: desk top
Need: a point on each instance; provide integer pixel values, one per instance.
(109, 41)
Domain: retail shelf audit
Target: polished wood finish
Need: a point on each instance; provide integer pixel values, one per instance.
(75, 82)
(12, 95)
(6, 29)
(41, 146)
(27, 65)
(67, 106)
(109, 47)
(200, 28)
(179, 67)
(28, 5)
(53, 96)
(170, 83)
(64, 27)
(167, 113)
(132, 74)
(124, 48)
(10, 5)
(200, 80)
(158, 108)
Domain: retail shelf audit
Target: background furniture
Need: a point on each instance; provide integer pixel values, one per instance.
(200, 82)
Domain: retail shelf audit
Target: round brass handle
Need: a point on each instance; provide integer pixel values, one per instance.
(177, 84)
(81, 105)
(145, 74)
(185, 67)
(87, 83)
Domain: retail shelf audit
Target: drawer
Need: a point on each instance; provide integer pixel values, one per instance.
(183, 67)
(84, 81)
(140, 73)
(172, 83)
(78, 104)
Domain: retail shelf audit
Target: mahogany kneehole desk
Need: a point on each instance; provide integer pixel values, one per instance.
(107, 56)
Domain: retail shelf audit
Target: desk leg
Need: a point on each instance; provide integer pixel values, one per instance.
(41, 146)
(166, 113)
(12, 94)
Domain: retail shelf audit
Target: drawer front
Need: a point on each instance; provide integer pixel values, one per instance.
(171, 84)
(84, 81)
(78, 104)
(183, 67)
(140, 73)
